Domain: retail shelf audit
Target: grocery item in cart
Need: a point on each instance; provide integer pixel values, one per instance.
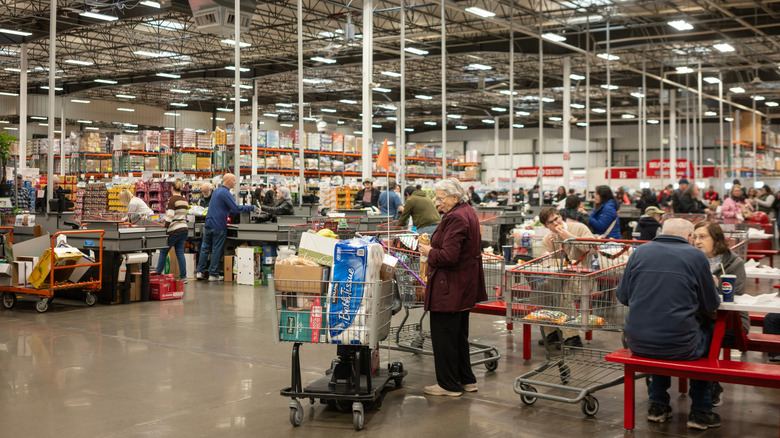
(593, 321)
(547, 315)
(425, 240)
(357, 262)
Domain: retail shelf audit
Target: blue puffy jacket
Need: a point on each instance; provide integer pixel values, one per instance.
(602, 217)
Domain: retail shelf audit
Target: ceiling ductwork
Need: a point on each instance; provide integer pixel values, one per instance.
(218, 16)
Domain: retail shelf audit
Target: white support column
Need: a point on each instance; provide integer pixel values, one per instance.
(722, 176)
(587, 109)
(23, 109)
(400, 149)
(566, 120)
(495, 148)
(755, 142)
(443, 90)
(661, 131)
(368, 70)
(52, 72)
(301, 123)
(254, 128)
(609, 115)
(62, 136)
(643, 117)
(237, 94)
(701, 127)
(540, 145)
(672, 135)
(511, 145)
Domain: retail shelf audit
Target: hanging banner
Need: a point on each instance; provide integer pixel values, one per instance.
(684, 168)
(533, 172)
(623, 173)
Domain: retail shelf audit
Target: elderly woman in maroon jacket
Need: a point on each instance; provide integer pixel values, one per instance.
(456, 283)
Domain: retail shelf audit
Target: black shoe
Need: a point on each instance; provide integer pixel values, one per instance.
(659, 413)
(774, 358)
(703, 420)
(552, 338)
(717, 394)
(573, 341)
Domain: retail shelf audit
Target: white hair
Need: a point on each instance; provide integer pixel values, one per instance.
(285, 192)
(452, 186)
(678, 227)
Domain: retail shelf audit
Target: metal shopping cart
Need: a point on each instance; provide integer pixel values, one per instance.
(490, 228)
(411, 336)
(737, 238)
(343, 227)
(572, 288)
(353, 315)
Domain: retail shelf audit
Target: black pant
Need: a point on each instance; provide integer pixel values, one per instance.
(450, 337)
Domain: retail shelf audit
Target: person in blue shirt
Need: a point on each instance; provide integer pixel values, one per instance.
(389, 201)
(221, 206)
(604, 218)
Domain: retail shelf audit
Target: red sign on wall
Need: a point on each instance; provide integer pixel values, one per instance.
(684, 168)
(623, 173)
(533, 172)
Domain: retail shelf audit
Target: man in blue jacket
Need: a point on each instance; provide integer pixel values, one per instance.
(671, 296)
(221, 206)
(389, 201)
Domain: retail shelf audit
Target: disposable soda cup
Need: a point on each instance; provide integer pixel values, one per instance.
(727, 287)
(507, 253)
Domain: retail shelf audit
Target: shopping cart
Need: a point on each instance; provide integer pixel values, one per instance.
(393, 238)
(737, 238)
(353, 315)
(410, 336)
(343, 227)
(573, 287)
(489, 227)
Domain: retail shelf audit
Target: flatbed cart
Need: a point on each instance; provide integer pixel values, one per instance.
(410, 336)
(573, 288)
(355, 380)
(9, 293)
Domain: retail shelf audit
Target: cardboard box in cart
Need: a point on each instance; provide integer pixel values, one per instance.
(63, 256)
(299, 283)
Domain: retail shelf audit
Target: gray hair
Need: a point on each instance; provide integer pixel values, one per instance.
(285, 192)
(452, 186)
(678, 227)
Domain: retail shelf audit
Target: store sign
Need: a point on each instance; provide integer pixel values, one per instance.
(684, 168)
(622, 173)
(533, 172)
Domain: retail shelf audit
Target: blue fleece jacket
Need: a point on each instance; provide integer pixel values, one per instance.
(221, 206)
(395, 202)
(664, 284)
(602, 217)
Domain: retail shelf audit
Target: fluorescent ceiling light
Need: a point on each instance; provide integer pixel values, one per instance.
(723, 47)
(46, 87)
(609, 87)
(201, 131)
(164, 24)
(409, 129)
(91, 128)
(430, 123)
(454, 116)
(608, 57)
(349, 101)
(5, 122)
(340, 122)
(772, 104)
(225, 110)
(242, 86)
(310, 119)
(391, 74)
(382, 90)
(548, 99)
(80, 101)
(555, 119)
(323, 60)
(653, 122)
(78, 62)
(638, 95)
(680, 25)
(242, 99)
(461, 127)
(106, 81)
(576, 77)
(233, 43)
(179, 104)
(326, 34)
(127, 110)
(488, 121)
(388, 106)
(43, 124)
(710, 113)
(284, 105)
(11, 129)
(154, 54)
(219, 119)
(737, 90)
(125, 96)
(628, 116)
(498, 109)
(577, 106)
(287, 125)
(172, 114)
(507, 92)
(328, 110)
(15, 32)
(389, 118)
(271, 115)
(680, 52)
(38, 118)
(423, 97)
(416, 51)
(15, 70)
(98, 16)
(518, 125)
(522, 113)
(151, 4)
(481, 12)
(553, 37)
(240, 69)
(357, 132)
(582, 124)
(131, 131)
(758, 98)
(317, 81)
(169, 129)
(684, 70)
(376, 126)
(177, 90)
(478, 67)
(129, 125)
(599, 110)
(729, 119)
(711, 80)
(169, 75)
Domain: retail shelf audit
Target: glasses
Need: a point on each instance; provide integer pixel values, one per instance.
(552, 221)
(438, 199)
(701, 236)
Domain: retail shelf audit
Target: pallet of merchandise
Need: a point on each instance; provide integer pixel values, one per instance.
(204, 140)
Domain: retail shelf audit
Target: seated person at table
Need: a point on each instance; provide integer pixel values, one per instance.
(671, 295)
(772, 327)
(283, 205)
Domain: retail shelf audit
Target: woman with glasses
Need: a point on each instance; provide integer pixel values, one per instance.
(456, 282)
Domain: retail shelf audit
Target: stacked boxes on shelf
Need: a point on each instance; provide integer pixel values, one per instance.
(69, 182)
(220, 137)
(125, 142)
(338, 142)
(203, 163)
(166, 139)
(90, 142)
(204, 140)
(189, 161)
(186, 138)
(113, 196)
(344, 197)
(151, 140)
(244, 135)
(95, 199)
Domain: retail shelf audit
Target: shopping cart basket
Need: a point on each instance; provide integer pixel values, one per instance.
(343, 227)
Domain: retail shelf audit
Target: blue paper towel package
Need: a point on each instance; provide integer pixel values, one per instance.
(356, 262)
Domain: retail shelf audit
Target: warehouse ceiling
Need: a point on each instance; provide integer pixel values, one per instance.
(146, 41)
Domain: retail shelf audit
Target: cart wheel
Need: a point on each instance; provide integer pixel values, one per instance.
(296, 413)
(527, 399)
(90, 299)
(9, 300)
(378, 402)
(399, 382)
(565, 372)
(590, 405)
(357, 419)
(311, 401)
(42, 305)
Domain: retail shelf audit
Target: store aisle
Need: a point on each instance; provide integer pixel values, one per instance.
(205, 366)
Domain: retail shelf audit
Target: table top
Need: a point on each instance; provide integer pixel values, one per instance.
(766, 275)
(759, 303)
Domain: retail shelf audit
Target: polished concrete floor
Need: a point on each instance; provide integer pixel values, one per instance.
(205, 366)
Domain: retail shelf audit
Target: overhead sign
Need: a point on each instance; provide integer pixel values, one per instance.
(684, 168)
(622, 173)
(533, 172)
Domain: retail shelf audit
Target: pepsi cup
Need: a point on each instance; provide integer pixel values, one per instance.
(727, 287)
(507, 253)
